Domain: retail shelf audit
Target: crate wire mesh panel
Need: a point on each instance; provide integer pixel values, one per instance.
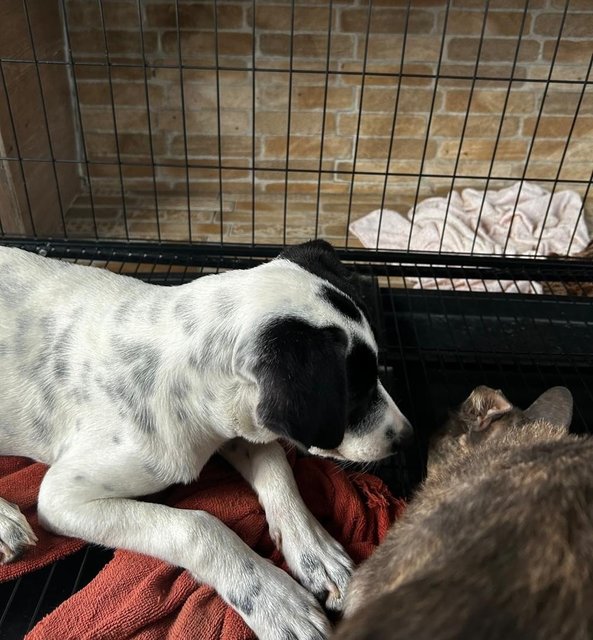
(169, 139)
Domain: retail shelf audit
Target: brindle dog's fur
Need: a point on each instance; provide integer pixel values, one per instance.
(498, 543)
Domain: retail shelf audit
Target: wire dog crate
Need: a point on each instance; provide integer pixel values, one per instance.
(169, 139)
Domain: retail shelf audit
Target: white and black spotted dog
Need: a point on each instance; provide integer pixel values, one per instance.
(125, 388)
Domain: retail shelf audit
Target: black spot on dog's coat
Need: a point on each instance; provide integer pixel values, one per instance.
(310, 564)
(341, 302)
(243, 603)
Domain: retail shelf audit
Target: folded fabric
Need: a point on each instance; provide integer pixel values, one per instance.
(521, 220)
(136, 596)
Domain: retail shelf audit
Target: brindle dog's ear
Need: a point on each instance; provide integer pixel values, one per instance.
(484, 406)
(553, 406)
(301, 378)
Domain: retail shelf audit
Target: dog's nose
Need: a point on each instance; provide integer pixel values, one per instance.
(403, 436)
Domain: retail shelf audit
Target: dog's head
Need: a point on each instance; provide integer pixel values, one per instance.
(316, 366)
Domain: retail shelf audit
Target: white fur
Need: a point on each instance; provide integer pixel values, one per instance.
(125, 388)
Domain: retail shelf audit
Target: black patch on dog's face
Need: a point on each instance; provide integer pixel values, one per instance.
(362, 369)
(301, 374)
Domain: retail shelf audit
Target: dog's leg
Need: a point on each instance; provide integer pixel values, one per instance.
(82, 504)
(319, 562)
(15, 532)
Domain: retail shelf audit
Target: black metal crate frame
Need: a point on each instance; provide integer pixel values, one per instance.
(436, 344)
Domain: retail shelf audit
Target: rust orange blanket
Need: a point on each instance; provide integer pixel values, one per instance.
(135, 596)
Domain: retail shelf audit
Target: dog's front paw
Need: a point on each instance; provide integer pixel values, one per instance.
(276, 607)
(15, 532)
(318, 561)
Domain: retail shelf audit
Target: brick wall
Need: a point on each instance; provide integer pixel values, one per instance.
(457, 125)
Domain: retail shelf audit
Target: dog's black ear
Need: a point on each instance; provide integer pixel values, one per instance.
(320, 258)
(301, 377)
(553, 406)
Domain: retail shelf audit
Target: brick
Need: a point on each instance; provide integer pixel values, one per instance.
(100, 145)
(307, 187)
(390, 20)
(311, 18)
(124, 44)
(493, 49)
(477, 126)
(497, 23)
(230, 16)
(206, 120)
(404, 3)
(547, 149)
(313, 97)
(276, 122)
(412, 149)
(271, 123)
(373, 148)
(193, 44)
(196, 44)
(575, 5)
(392, 69)
(138, 144)
(119, 14)
(279, 18)
(488, 101)
(569, 51)
(207, 146)
(87, 45)
(576, 25)
(235, 44)
(306, 45)
(271, 17)
(410, 100)
(272, 97)
(548, 126)
(306, 147)
(389, 47)
(80, 14)
(133, 93)
(380, 125)
(495, 5)
(196, 15)
(565, 103)
(309, 124)
(484, 149)
(129, 120)
(201, 96)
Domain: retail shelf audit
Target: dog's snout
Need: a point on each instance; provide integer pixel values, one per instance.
(402, 437)
(407, 432)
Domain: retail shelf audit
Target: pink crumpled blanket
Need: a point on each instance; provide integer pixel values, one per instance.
(508, 221)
